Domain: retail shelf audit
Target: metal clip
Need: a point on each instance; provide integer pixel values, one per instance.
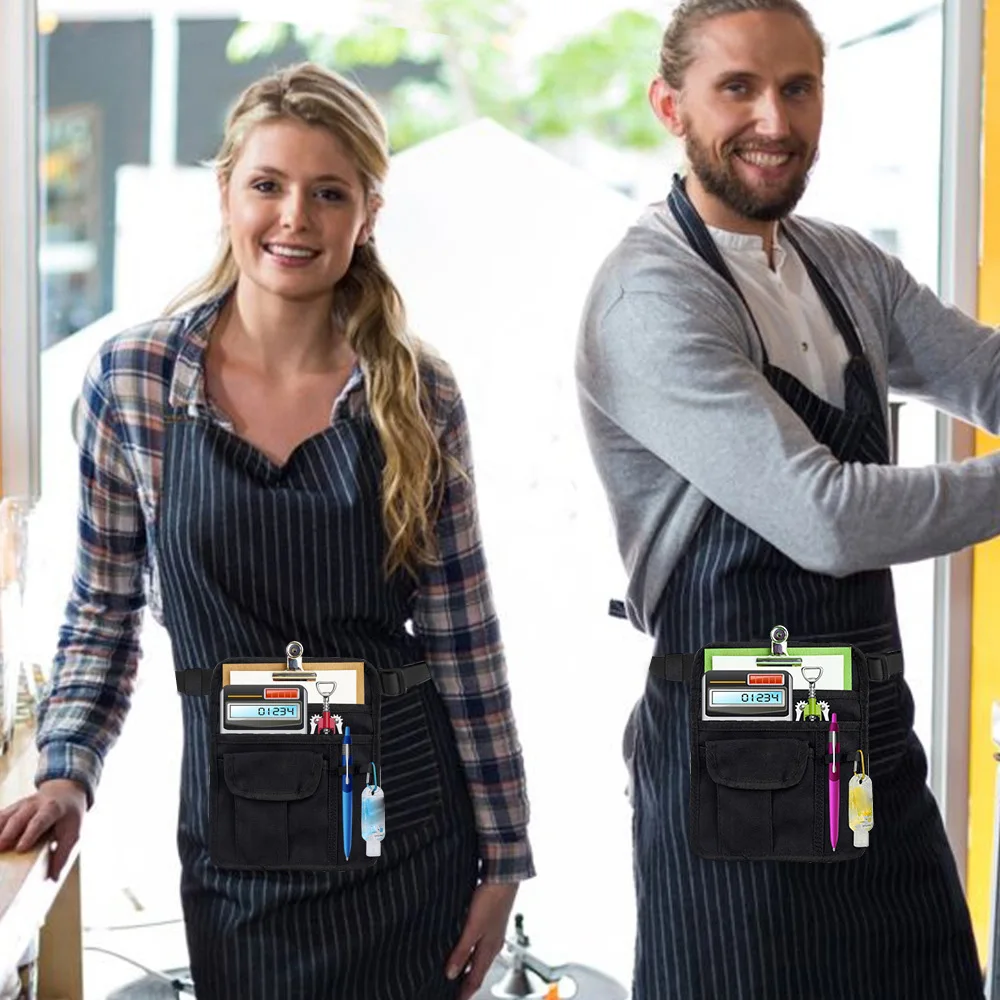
(779, 652)
(294, 670)
(779, 641)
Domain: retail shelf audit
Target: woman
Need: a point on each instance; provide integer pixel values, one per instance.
(277, 459)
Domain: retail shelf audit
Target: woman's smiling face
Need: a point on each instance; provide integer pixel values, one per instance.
(296, 208)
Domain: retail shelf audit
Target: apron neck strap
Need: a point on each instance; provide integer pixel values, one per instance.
(700, 239)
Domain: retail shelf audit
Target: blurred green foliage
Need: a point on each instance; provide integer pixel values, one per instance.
(459, 60)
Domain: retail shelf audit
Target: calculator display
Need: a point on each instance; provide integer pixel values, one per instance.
(747, 698)
(264, 712)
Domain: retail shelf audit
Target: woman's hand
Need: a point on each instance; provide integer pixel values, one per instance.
(58, 806)
(483, 935)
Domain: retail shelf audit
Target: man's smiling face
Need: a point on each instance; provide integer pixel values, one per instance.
(750, 111)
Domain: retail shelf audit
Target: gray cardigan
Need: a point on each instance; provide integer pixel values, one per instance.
(678, 413)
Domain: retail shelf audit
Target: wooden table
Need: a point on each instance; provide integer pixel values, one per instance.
(32, 905)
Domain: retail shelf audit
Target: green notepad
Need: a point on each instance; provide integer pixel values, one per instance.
(835, 661)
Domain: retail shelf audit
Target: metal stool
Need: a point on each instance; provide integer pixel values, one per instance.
(516, 974)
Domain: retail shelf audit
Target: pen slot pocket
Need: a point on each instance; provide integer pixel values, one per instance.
(850, 741)
(847, 704)
(271, 808)
(358, 717)
(361, 755)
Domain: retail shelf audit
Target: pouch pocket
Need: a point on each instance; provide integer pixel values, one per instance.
(273, 808)
(756, 797)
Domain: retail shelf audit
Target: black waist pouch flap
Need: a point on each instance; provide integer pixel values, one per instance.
(276, 799)
(759, 789)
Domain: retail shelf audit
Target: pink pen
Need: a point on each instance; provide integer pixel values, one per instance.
(833, 775)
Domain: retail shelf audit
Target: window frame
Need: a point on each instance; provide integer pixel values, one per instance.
(20, 415)
(958, 282)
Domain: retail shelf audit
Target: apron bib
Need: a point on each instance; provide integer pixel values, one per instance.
(252, 555)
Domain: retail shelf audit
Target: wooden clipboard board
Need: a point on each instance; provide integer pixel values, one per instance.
(349, 676)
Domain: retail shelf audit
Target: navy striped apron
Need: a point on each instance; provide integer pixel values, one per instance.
(253, 555)
(891, 924)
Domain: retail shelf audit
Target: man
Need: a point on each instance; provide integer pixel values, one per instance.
(733, 367)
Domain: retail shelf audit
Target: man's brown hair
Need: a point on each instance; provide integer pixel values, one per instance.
(677, 50)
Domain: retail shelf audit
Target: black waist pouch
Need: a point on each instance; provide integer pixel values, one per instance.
(759, 787)
(276, 800)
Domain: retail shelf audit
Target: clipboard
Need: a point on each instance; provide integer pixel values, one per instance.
(835, 661)
(348, 675)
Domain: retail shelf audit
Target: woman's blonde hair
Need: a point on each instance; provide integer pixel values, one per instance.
(367, 304)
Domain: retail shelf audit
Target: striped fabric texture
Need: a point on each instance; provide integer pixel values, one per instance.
(250, 551)
(892, 924)
(139, 382)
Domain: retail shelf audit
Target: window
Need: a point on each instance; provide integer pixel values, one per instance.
(879, 172)
(887, 239)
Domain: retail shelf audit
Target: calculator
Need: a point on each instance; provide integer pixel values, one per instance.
(762, 695)
(263, 708)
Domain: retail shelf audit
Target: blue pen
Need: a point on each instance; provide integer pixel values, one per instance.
(347, 792)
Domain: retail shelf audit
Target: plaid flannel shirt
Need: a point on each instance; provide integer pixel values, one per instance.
(120, 429)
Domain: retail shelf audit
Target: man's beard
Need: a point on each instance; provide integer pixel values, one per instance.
(719, 178)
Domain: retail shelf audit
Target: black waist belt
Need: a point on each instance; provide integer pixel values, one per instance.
(680, 666)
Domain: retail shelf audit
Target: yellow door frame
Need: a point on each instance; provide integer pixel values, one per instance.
(986, 557)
